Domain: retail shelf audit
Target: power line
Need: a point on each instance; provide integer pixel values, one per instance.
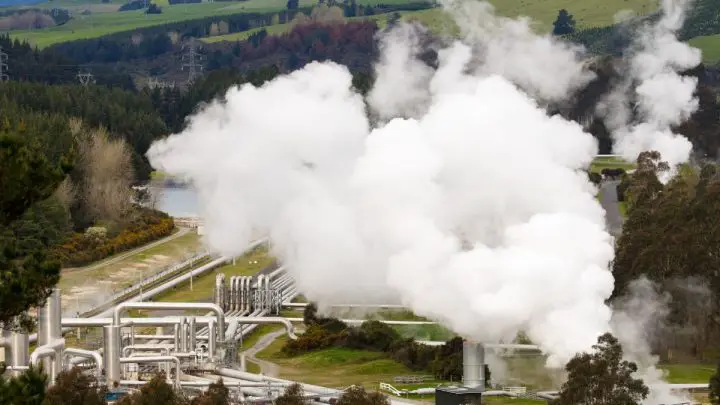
(3, 66)
(192, 61)
(85, 78)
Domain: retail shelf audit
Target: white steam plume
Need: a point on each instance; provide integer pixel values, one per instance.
(637, 317)
(663, 97)
(475, 213)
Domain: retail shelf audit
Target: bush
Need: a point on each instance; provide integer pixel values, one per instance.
(81, 250)
(445, 362)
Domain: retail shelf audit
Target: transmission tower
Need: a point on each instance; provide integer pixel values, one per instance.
(192, 61)
(85, 78)
(3, 66)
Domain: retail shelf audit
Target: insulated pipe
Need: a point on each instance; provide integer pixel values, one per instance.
(220, 290)
(16, 350)
(211, 338)
(166, 337)
(87, 354)
(150, 347)
(156, 359)
(231, 298)
(183, 335)
(192, 334)
(228, 372)
(241, 294)
(473, 365)
(111, 353)
(176, 340)
(50, 331)
(170, 305)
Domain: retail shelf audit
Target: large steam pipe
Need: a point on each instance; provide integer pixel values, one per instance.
(50, 332)
(111, 352)
(192, 341)
(473, 365)
(95, 356)
(127, 350)
(170, 305)
(156, 359)
(16, 347)
(242, 375)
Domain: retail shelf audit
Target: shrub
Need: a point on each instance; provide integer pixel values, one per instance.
(80, 250)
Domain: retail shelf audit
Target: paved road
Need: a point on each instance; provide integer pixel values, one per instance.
(609, 201)
(266, 367)
(181, 232)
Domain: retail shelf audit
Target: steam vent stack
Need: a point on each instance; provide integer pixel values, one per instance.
(473, 379)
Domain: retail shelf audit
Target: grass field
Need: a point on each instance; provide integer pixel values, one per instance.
(335, 367)
(710, 47)
(587, 13)
(600, 163)
(204, 285)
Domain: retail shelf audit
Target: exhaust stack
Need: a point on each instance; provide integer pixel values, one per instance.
(474, 365)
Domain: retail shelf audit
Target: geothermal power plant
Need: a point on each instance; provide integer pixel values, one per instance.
(196, 350)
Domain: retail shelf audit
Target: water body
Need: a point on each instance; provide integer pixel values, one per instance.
(176, 201)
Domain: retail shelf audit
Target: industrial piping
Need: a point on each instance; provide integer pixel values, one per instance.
(156, 359)
(220, 314)
(87, 354)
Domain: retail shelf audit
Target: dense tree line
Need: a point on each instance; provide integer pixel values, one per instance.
(670, 236)
(47, 66)
(124, 114)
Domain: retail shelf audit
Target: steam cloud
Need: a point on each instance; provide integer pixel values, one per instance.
(472, 208)
(663, 97)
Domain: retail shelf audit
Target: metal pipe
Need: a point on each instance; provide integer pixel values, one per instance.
(156, 359)
(176, 333)
(231, 304)
(192, 334)
(16, 347)
(87, 354)
(198, 383)
(49, 331)
(228, 372)
(212, 338)
(150, 347)
(183, 335)
(170, 305)
(111, 352)
(166, 337)
(473, 365)
(219, 297)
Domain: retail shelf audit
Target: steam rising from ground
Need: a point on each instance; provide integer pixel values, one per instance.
(472, 209)
(664, 98)
(474, 213)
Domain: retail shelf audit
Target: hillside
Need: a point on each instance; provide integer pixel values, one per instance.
(103, 20)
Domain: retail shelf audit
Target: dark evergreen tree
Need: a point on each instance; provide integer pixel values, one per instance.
(564, 24)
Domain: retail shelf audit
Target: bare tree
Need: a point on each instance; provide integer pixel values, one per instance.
(103, 176)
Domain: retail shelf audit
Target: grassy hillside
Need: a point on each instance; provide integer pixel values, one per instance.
(588, 13)
(710, 47)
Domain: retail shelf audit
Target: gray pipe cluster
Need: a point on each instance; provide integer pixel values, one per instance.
(474, 365)
(246, 294)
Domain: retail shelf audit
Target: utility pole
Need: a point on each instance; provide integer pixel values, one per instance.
(85, 78)
(3, 66)
(192, 61)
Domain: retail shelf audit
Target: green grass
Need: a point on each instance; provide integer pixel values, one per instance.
(600, 163)
(252, 367)
(203, 286)
(710, 47)
(347, 366)
(99, 24)
(688, 373)
(257, 333)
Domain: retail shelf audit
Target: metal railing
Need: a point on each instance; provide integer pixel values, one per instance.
(150, 280)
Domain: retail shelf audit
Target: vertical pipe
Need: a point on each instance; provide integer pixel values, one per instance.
(211, 338)
(111, 353)
(176, 332)
(231, 298)
(473, 365)
(183, 335)
(191, 334)
(19, 351)
(243, 365)
(49, 329)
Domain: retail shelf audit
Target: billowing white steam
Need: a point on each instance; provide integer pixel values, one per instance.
(664, 98)
(476, 212)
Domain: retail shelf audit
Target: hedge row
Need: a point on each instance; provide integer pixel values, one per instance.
(82, 249)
